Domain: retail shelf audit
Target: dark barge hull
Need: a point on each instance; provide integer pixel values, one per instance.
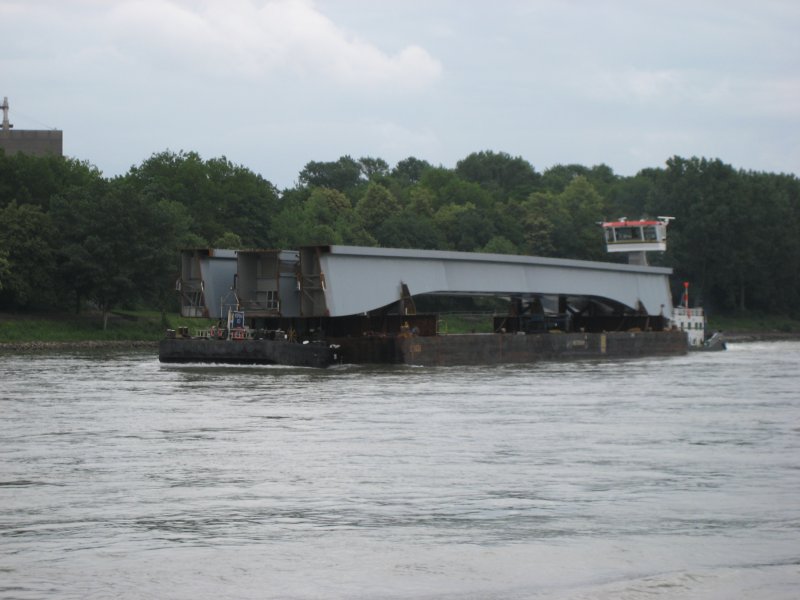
(490, 349)
(438, 350)
(260, 352)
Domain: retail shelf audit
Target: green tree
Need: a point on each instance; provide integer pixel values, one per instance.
(117, 246)
(26, 257)
(245, 202)
(342, 175)
(539, 235)
(500, 245)
(464, 227)
(376, 206)
(5, 266)
(540, 214)
(228, 240)
(632, 197)
(709, 240)
(409, 230)
(735, 233)
(581, 209)
(421, 201)
(558, 177)
(219, 196)
(28, 179)
(503, 176)
(410, 170)
(449, 188)
(325, 217)
(509, 220)
(373, 168)
(774, 216)
(565, 224)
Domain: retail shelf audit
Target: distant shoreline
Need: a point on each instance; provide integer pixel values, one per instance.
(760, 336)
(38, 346)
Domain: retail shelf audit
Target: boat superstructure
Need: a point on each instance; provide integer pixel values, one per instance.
(638, 237)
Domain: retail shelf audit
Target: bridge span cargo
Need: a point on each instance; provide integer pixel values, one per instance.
(321, 305)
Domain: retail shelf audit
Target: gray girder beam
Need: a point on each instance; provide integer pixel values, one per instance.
(356, 279)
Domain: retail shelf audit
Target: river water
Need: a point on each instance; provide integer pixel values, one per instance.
(653, 478)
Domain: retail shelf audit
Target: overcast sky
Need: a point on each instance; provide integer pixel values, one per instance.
(274, 84)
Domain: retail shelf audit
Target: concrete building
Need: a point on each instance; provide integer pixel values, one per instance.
(34, 142)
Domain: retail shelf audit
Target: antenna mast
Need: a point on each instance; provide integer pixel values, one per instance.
(6, 124)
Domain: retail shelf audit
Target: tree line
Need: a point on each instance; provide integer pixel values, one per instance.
(69, 236)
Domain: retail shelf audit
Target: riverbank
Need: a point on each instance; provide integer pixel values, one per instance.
(55, 332)
(754, 328)
(38, 346)
(737, 337)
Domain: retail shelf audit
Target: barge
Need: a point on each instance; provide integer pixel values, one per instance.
(434, 350)
(493, 349)
(323, 305)
(248, 352)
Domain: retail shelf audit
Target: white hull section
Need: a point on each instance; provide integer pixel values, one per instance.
(693, 322)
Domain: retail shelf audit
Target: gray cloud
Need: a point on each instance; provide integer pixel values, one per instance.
(273, 84)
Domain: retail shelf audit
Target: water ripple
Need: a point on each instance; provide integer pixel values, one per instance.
(645, 478)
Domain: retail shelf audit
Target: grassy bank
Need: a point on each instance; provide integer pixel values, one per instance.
(149, 326)
(754, 324)
(138, 326)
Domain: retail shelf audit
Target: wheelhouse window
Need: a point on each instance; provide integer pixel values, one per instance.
(628, 234)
